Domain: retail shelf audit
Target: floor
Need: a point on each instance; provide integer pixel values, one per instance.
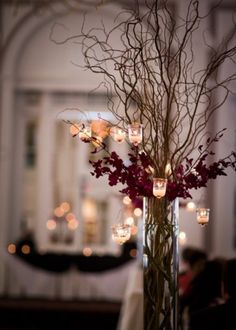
(54, 315)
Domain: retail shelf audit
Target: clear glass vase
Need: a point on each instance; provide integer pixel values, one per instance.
(160, 252)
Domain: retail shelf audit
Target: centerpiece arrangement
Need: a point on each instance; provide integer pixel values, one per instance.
(162, 100)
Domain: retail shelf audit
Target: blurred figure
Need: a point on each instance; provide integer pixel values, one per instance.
(193, 262)
(206, 287)
(220, 316)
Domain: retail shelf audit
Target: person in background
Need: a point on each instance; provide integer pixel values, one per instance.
(206, 287)
(193, 261)
(220, 316)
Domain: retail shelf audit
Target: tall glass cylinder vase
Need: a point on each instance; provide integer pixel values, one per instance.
(160, 252)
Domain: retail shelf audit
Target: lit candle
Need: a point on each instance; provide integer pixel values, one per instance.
(135, 133)
(159, 187)
(118, 134)
(203, 216)
(121, 233)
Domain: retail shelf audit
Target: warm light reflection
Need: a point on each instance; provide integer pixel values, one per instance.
(65, 206)
(191, 206)
(138, 212)
(25, 249)
(73, 224)
(89, 208)
(133, 253)
(134, 230)
(11, 248)
(70, 216)
(126, 200)
(59, 212)
(182, 238)
(51, 224)
(100, 128)
(129, 221)
(87, 252)
(74, 129)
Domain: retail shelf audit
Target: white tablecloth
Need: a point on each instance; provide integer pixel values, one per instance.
(131, 317)
(29, 281)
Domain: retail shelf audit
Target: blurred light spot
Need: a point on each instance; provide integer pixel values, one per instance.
(51, 224)
(126, 200)
(25, 249)
(65, 206)
(134, 230)
(133, 253)
(74, 129)
(59, 212)
(70, 216)
(182, 238)
(11, 248)
(138, 212)
(87, 252)
(191, 206)
(129, 221)
(73, 224)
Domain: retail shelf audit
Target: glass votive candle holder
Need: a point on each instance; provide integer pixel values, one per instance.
(202, 216)
(159, 187)
(135, 132)
(118, 134)
(85, 133)
(121, 233)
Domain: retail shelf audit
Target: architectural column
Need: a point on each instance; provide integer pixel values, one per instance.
(6, 161)
(44, 195)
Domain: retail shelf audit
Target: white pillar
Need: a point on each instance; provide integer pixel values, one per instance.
(45, 174)
(6, 159)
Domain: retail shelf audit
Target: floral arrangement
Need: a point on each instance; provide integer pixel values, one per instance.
(152, 77)
(137, 176)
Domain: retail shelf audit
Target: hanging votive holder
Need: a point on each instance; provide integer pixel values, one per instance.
(135, 133)
(118, 134)
(159, 187)
(202, 216)
(121, 233)
(85, 133)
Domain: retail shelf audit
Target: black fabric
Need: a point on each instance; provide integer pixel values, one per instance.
(215, 318)
(62, 262)
(54, 315)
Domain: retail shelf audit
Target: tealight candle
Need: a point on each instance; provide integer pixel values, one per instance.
(159, 187)
(118, 134)
(135, 133)
(121, 233)
(202, 216)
